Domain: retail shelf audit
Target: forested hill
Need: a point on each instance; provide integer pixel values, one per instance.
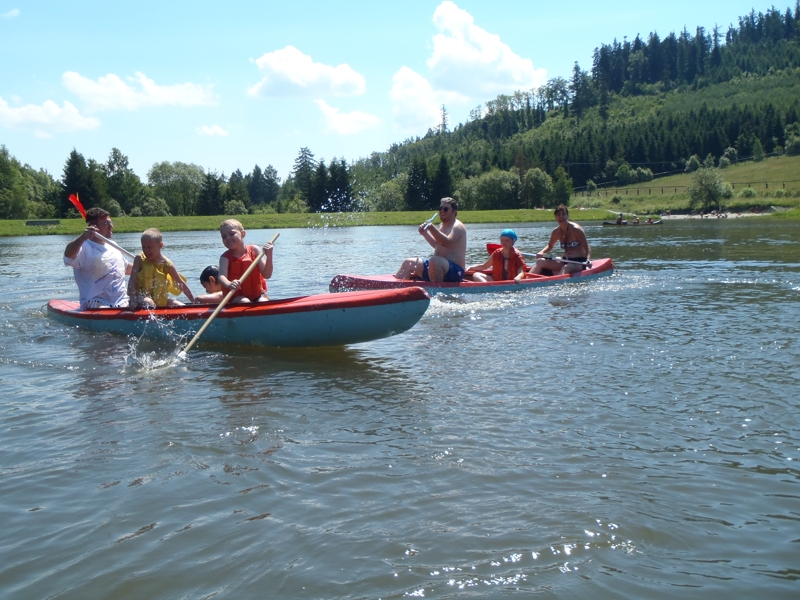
(645, 107)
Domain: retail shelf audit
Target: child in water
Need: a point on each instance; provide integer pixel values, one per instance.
(153, 276)
(505, 263)
(235, 260)
(209, 279)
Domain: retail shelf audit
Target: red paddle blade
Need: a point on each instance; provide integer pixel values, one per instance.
(490, 248)
(77, 203)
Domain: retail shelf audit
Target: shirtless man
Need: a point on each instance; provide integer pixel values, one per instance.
(449, 242)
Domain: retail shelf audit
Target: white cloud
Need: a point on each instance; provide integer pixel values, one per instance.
(46, 119)
(14, 12)
(110, 92)
(473, 61)
(416, 104)
(290, 72)
(346, 123)
(212, 130)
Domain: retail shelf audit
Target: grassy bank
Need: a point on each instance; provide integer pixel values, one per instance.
(292, 220)
(774, 182)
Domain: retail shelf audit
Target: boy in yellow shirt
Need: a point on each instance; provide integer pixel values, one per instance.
(153, 275)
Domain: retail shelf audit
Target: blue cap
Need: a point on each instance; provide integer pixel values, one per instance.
(509, 233)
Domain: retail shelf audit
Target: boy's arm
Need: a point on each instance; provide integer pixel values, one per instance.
(266, 265)
(223, 275)
(176, 277)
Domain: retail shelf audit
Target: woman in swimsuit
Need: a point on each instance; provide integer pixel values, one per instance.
(574, 244)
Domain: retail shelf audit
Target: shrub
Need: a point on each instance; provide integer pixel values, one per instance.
(747, 193)
(706, 190)
(235, 207)
(724, 162)
(692, 164)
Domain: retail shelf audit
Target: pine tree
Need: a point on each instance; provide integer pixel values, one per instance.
(304, 167)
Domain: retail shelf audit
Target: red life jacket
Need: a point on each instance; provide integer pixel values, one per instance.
(515, 261)
(254, 286)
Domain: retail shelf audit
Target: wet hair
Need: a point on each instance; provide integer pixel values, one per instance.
(152, 234)
(559, 208)
(209, 272)
(96, 213)
(451, 201)
(233, 223)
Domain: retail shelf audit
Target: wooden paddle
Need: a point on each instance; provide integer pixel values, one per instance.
(225, 300)
(490, 248)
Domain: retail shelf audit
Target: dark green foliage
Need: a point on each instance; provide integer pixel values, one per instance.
(303, 173)
(13, 202)
(210, 201)
(236, 191)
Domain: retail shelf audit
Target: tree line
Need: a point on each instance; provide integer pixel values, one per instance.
(646, 107)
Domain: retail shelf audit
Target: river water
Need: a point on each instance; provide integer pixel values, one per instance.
(633, 437)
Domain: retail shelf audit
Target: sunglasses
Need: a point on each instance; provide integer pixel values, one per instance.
(444, 209)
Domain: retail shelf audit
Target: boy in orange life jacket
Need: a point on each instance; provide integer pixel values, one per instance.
(234, 262)
(153, 274)
(505, 263)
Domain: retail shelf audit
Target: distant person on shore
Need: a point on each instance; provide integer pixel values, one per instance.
(449, 242)
(209, 279)
(99, 269)
(154, 276)
(574, 245)
(235, 261)
(505, 263)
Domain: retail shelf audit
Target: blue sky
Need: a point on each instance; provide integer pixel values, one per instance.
(230, 85)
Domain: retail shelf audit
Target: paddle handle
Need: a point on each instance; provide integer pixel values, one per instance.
(114, 245)
(429, 221)
(226, 299)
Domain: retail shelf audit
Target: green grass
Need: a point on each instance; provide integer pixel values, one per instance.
(292, 220)
(775, 180)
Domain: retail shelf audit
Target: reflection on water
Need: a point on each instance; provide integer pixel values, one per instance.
(629, 437)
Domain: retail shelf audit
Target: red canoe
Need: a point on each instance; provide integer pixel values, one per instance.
(602, 267)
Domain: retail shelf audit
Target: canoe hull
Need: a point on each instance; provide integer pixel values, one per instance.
(308, 321)
(345, 283)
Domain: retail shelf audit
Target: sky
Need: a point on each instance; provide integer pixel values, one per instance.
(235, 84)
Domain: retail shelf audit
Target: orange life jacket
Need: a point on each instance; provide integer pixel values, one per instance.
(515, 261)
(254, 286)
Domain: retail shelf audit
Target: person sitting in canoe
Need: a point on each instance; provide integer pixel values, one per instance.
(649, 220)
(575, 246)
(209, 279)
(98, 267)
(619, 219)
(635, 219)
(505, 263)
(449, 242)
(154, 276)
(235, 260)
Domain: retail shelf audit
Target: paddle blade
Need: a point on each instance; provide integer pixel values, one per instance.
(77, 203)
(490, 248)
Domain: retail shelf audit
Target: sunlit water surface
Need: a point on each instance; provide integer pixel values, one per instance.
(637, 436)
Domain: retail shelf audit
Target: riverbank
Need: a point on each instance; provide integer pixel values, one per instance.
(15, 228)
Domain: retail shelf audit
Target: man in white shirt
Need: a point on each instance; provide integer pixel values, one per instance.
(99, 269)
